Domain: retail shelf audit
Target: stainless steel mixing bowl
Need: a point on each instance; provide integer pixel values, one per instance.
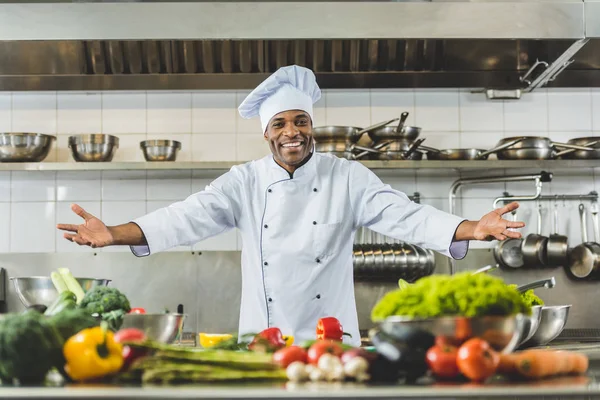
(94, 147)
(24, 147)
(40, 289)
(160, 150)
(501, 332)
(530, 324)
(552, 323)
(162, 328)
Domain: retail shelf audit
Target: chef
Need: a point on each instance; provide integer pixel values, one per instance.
(297, 211)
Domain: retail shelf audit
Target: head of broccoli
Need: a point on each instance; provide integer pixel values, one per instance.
(102, 299)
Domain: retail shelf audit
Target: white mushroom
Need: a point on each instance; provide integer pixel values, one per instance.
(296, 372)
(316, 375)
(356, 366)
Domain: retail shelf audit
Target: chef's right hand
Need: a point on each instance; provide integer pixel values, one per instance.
(92, 232)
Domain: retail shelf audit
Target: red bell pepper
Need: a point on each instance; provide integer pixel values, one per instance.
(330, 328)
(269, 340)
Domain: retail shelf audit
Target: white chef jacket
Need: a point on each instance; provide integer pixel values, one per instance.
(298, 234)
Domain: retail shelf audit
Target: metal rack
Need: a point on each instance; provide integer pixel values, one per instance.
(592, 196)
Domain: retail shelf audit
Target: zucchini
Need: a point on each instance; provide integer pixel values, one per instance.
(72, 283)
(65, 301)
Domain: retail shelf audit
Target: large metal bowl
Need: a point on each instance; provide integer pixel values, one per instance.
(162, 328)
(501, 332)
(160, 150)
(40, 289)
(552, 323)
(530, 324)
(94, 147)
(24, 147)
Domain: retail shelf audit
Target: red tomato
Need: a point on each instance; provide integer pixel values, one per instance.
(321, 347)
(288, 355)
(477, 360)
(442, 361)
(137, 310)
(130, 335)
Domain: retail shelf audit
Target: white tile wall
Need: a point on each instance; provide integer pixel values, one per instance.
(210, 129)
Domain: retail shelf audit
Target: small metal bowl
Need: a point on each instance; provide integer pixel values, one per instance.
(33, 290)
(94, 147)
(162, 328)
(160, 150)
(501, 332)
(552, 323)
(24, 147)
(530, 324)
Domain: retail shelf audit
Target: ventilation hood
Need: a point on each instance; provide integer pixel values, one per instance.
(503, 45)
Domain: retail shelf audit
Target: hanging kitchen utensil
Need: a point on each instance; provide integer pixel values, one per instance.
(348, 134)
(532, 148)
(400, 132)
(594, 208)
(572, 154)
(465, 154)
(584, 259)
(558, 245)
(403, 118)
(485, 269)
(508, 252)
(534, 245)
(547, 283)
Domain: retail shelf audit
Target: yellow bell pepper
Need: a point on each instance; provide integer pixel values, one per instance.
(92, 353)
(208, 340)
(289, 340)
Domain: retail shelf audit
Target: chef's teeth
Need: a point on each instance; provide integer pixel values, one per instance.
(293, 144)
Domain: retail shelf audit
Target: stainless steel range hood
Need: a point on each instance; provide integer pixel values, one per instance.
(235, 45)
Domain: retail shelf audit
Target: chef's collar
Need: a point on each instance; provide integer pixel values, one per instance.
(301, 170)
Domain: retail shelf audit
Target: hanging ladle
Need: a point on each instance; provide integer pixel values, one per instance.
(547, 283)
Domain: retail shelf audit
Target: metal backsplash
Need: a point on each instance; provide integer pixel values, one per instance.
(208, 284)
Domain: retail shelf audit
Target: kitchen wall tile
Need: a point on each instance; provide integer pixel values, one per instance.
(573, 182)
(480, 140)
(33, 186)
(213, 112)
(5, 219)
(440, 203)
(214, 147)
(121, 212)
(62, 152)
(34, 112)
(437, 110)
(155, 205)
(249, 126)
(479, 114)
(79, 113)
(530, 113)
(78, 185)
(406, 183)
(124, 113)
(349, 108)
(185, 154)
(5, 185)
(169, 112)
(484, 190)
(442, 140)
(199, 183)
(390, 103)
(596, 109)
(123, 185)
(251, 147)
(64, 215)
(129, 148)
(436, 185)
(32, 228)
(569, 109)
(6, 112)
(564, 137)
(168, 185)
(224, 242)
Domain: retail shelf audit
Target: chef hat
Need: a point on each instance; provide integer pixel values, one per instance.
(288, 88)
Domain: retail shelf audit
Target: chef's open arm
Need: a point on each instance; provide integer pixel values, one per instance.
(388, 211)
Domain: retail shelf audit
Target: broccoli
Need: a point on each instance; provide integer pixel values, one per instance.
(70, 322)
(109, 303)
(462, 294)
(29, 347)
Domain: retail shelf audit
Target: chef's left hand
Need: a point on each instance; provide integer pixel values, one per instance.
(491, 226)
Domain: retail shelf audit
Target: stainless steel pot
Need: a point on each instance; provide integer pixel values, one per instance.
(593, 142)
(534, 246)
(345, 134)
(508, 252)
(584, 259)
(558, 245)
(24, 146)
(399, 132)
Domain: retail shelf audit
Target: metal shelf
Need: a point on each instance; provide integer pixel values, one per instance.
(374, 165)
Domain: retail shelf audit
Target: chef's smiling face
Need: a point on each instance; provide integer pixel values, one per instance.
(289, 134)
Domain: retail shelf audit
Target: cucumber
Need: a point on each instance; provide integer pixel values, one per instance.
(66, 300)
(72, 283)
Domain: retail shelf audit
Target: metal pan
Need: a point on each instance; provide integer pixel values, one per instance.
(584, 259)
(533, 148)
(593, 142)
(465, 154)
(399, 132)
(558, 245)
(508, 252)
(401, 150)
(346, 134)
(534, 246)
